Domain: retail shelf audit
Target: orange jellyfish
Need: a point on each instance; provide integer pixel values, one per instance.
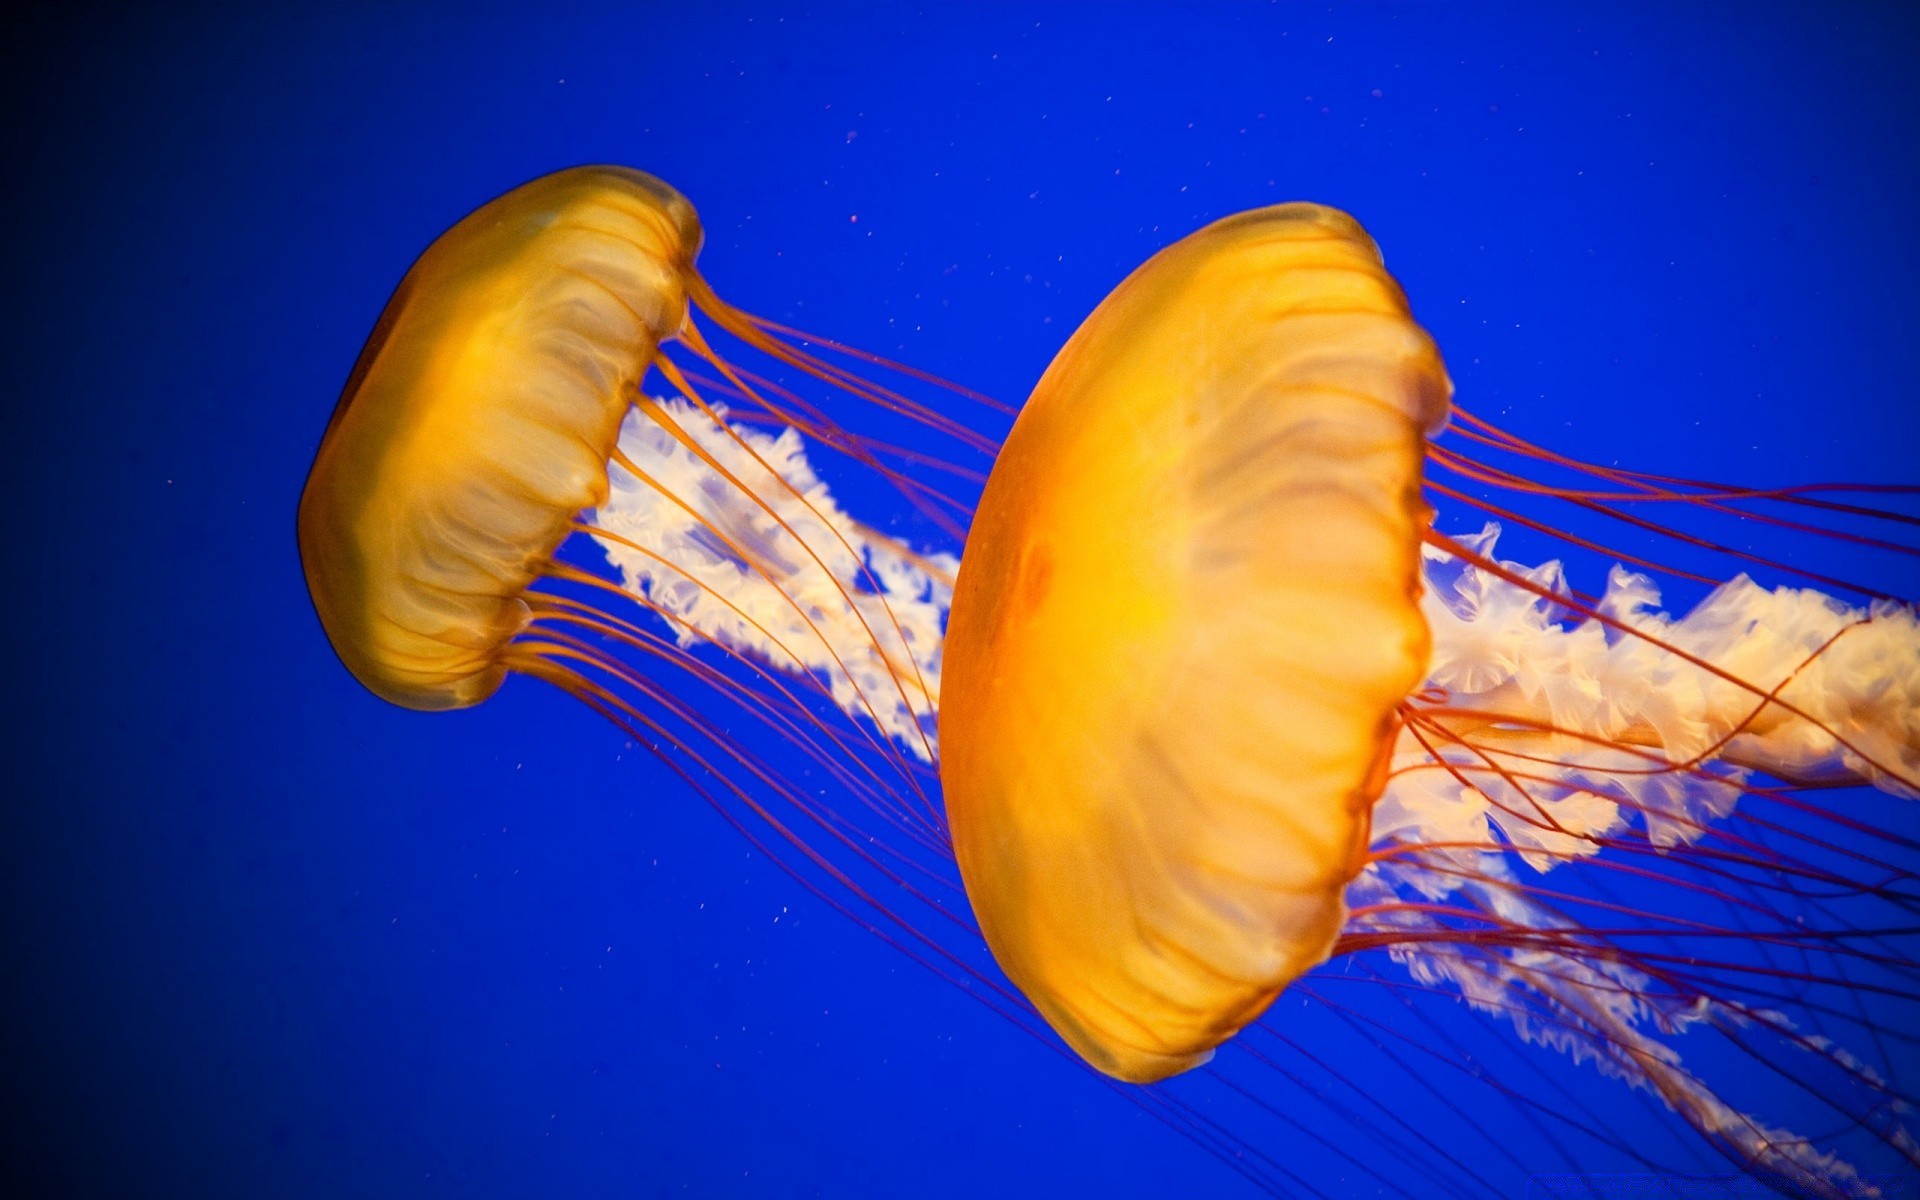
(1220, 704)
(480, 422)
(496, 419)
(1188, 611)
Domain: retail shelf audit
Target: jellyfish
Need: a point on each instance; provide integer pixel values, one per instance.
(500, 493)
(1221, 703)
(497, 495)
(480, 422)
(1206, 703)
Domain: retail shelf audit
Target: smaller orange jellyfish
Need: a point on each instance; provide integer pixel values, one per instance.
(497, 415)
(480, 423)
(1219, 704)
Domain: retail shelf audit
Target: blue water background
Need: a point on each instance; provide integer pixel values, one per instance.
(267, 936)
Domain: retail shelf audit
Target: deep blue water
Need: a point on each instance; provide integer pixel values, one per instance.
(267, 936)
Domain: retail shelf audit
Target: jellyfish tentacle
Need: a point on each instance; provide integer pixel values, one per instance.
(867, 356)
(1806, 495)
(762, 709)
(813, 623)
(863, 449)
(1506, 575)
(1654, 527)
(863, 568)
(815, 424)
(737, 324)
(878, 787)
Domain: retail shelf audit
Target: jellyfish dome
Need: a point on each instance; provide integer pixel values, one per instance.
(1187, 610)
(479, 420)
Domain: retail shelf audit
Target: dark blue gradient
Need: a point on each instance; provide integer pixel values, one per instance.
(266, 936)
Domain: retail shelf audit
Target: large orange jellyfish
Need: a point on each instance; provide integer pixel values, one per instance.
(1188, 612)
(1219, 703)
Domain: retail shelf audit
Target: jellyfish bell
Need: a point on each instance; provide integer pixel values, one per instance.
(480, 419)
(1219, 703)
(1186, 615)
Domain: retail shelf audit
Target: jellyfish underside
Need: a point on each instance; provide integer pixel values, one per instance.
(1214, 700)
